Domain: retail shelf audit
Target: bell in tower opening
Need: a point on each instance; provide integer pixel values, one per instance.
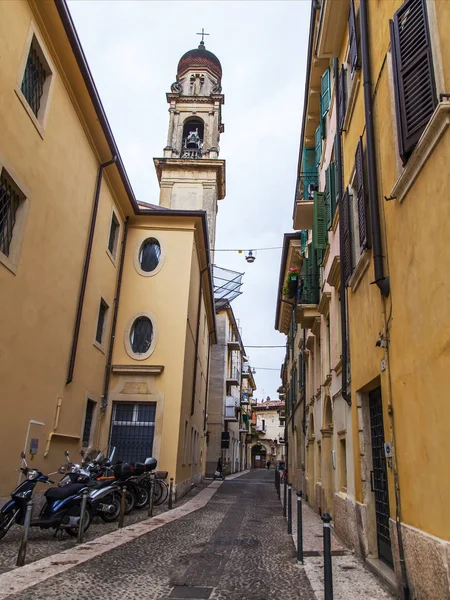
(192, 145)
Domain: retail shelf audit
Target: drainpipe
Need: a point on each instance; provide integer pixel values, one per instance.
(112, 336)
(207, 380)
(194, 381)
(87, 261)
(344, 333)
(381, 280)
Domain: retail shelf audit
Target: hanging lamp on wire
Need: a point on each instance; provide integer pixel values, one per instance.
(250, 258)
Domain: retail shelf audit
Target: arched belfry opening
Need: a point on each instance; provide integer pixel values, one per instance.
(193, 136)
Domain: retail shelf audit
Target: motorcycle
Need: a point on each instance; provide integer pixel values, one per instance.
(61, 510)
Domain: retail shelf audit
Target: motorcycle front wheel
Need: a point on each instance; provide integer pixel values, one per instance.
(142, 496)
(7, 520)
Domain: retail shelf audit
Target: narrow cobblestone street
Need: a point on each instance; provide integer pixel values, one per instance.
(235, 548)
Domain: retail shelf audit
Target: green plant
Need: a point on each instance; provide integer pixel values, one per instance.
(292, 275)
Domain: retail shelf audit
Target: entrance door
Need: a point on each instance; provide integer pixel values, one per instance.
(379, 477)
(258, 457)
(132, 430)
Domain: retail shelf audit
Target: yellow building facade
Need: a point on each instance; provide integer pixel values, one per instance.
(106, 306)
(387, 112)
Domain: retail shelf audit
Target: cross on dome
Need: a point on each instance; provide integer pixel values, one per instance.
(203, 35)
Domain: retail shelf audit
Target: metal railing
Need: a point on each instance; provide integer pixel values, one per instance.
(309, 183)
(309, 289)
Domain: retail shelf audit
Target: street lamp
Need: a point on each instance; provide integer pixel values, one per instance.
(249, 257)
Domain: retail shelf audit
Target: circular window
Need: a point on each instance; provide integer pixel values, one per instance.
(149, 255)
(141, 335)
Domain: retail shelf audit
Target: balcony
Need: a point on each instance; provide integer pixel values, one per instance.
(234, 376)
(231, 408)
(304, 205)
(234, 345)
(308, 300)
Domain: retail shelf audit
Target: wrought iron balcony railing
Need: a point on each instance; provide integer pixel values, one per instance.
(309, 183)
(309, 289)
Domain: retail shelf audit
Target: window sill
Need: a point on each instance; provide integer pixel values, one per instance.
(111, 257)
(435, 129)
(30, 113)
(99, 346)
(360, 269)
(8, 263)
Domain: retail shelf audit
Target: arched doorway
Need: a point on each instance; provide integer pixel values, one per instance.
(259, 455)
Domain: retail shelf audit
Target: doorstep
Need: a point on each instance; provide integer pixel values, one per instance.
(384, 573)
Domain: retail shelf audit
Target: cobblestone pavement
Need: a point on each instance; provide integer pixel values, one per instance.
(42, 542)
(235, 548)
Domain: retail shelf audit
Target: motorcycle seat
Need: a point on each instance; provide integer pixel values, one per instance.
(57, 493)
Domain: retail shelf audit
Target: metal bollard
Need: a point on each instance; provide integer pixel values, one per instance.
(299, 528)
(284, 498)
(122, 506)
(82, 512)
(327, 569)
(23, 542)
(289, 514)
(171, 494)
(152, 491)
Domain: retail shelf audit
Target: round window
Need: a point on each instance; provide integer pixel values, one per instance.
(149, 255)
(141, 335)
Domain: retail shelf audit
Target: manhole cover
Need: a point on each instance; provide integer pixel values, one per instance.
(184, 591)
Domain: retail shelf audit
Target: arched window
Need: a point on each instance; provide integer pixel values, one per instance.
(149, 255)
(141, 335)
(193, 133)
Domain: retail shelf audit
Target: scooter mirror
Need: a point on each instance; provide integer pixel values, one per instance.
(22, 454)
(66, 453)
(62, 470)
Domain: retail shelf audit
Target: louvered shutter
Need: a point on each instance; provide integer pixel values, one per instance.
(300, 371)
(342, 97)
(338, 170)
(320, 231)
(361, 197)
(318, 145)
(333, 191)
(325, 92)
(309, 170)
(328, 195)
(347, 263)
(413, 73)
(303, 240)
(353, 39)
(312, 278)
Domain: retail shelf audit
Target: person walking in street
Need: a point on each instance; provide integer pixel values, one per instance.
(219, 469)
(268, 464)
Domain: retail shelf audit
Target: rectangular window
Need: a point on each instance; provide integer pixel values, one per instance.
(34, 77)
(10, 198)
(88, 418)
(342, 465)
(103, 309)
(414, 83)
(353, 39)
(113, 235)
(361, 198)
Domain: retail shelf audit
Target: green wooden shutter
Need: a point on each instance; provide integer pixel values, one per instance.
(333, 190)
(303, 240)
(328, 195)
(309, 170)
(318, 145)
(325, 92)
(320, 231)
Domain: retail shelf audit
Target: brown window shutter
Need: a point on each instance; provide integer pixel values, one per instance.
(361, 197)
(344, 222)
(342, 97)
(353, 39)
(415, 89)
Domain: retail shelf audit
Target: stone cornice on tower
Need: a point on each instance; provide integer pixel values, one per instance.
(178, 98)
(199, 165)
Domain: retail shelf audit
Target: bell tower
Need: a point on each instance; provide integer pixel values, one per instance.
(191, 175)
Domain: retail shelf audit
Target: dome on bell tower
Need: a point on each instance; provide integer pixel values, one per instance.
(199, 58)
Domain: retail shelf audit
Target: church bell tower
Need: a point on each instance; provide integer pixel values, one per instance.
(191, 175)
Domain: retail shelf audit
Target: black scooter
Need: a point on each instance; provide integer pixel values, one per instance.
(61, 510)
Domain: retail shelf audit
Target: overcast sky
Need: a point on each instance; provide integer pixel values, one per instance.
(133, 48)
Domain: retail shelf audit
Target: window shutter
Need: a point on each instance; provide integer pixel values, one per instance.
(347, 236)
(342, 97)
(318, 145)
(338, 169)
(353, 39)
(361, 197)
(333, 191)
(325, 93)
(415, 89)
(320, 231)
(303, 240)
(309, 170)
(300, 371)
(328, 195)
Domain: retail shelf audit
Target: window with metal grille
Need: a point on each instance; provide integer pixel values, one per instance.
(36, 72)
(414, 82)
(113, 235)
(10, 198)
(90, 407)
(103, 309)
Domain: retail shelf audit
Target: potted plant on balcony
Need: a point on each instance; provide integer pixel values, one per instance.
(291, 282)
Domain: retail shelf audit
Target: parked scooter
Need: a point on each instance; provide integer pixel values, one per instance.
(61, 510)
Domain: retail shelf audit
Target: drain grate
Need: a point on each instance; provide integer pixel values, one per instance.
(184, 591)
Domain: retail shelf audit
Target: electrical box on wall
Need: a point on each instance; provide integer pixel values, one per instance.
(388, 450)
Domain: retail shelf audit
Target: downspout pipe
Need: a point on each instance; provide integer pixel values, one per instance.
(112, 336)
(199, 305)
(381, 280)
(344, 333)
(84, 276)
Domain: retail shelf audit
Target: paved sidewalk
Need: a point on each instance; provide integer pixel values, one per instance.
(351, 578)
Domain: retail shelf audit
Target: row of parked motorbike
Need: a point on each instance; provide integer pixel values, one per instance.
(104, 483)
